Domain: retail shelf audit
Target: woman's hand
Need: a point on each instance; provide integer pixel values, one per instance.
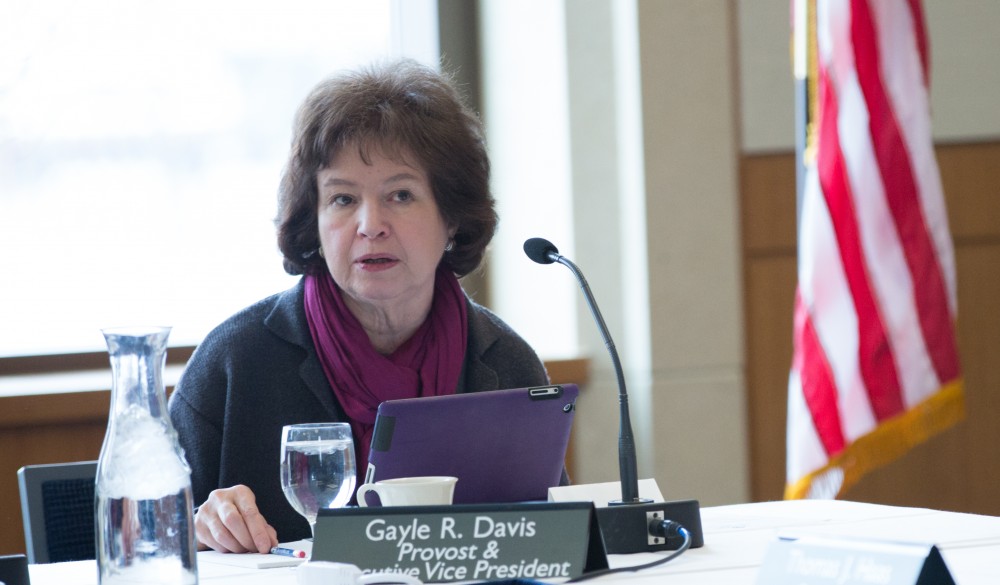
(229, 521)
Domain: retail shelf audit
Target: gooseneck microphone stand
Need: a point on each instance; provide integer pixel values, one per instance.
(627, 524)
(544, 252)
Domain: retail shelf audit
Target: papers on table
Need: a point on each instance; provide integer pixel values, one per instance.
(256, 560)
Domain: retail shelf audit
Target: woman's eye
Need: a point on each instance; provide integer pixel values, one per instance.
(342, 200)
(402, 195)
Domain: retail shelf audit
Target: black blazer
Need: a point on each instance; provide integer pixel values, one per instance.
(258, 371)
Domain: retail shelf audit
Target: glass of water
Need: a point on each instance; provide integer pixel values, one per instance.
(317, 467)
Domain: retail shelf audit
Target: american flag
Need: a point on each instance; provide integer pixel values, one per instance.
(875, 368)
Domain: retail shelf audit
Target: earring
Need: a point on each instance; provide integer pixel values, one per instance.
(450, 245)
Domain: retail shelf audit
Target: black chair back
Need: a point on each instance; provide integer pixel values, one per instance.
(57, 504)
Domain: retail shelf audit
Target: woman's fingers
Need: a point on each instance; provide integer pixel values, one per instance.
(229, 521)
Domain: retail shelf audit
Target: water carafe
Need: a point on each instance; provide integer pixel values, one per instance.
(145, 525)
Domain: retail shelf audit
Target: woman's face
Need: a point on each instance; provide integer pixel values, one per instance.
(380, 229)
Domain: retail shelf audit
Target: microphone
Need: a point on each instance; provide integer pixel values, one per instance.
(627, 525)
(543, 251)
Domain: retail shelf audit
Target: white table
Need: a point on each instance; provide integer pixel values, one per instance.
(736, 539)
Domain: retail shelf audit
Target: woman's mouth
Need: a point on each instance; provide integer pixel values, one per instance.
(376, 262)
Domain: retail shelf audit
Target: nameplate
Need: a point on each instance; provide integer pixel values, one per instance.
(810, 560)
(469, 542)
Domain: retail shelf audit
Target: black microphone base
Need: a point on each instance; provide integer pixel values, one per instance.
(625, 527)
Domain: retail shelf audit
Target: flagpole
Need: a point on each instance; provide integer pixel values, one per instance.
(802, 42)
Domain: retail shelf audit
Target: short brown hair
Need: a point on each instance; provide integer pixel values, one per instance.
(394, 107)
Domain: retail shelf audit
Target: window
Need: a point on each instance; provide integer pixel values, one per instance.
(141, 145)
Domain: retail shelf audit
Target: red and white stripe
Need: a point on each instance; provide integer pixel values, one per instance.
(875, 308)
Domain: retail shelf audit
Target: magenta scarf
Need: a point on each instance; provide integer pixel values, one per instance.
(427, 364)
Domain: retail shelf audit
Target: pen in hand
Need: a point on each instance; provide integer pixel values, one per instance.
(288, 552)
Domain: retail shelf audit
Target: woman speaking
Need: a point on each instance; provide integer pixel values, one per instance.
(384, 204)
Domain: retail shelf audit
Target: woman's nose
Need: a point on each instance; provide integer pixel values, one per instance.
(371, 222)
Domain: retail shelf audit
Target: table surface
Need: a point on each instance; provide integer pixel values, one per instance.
(736, 539)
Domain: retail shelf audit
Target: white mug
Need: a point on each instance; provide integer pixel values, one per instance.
(411, 491)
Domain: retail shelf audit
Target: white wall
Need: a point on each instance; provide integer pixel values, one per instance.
(651, 167)
(524, 107)
(610, 221)
(691, 163)
(659, 105)
(965, 83)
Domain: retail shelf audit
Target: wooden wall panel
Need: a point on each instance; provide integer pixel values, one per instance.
(768, 226)
(57, 428)
(960, 469)
(971, 177)
(770, 283)
(44, 428)
(768, 205)
(957, 470)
